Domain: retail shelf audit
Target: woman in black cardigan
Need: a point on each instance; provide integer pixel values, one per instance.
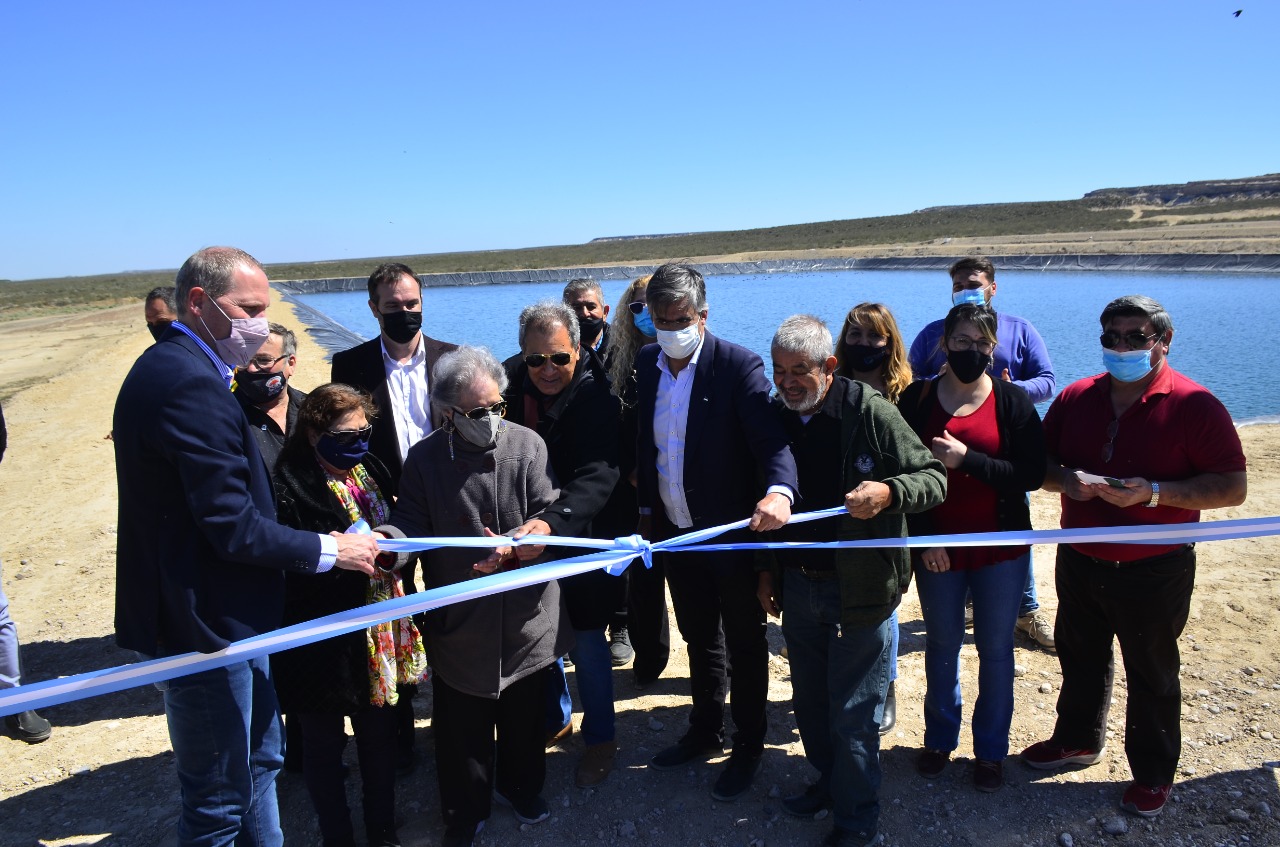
(988, 435)
(325, 481)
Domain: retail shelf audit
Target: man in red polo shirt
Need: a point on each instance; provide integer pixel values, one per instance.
(1167, 449)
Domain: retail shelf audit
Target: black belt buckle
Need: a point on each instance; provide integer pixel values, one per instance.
(818, 573)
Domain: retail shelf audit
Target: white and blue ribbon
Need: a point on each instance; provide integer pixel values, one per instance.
(613, 556)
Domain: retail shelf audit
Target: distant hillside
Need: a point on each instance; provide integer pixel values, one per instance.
(1209, 192)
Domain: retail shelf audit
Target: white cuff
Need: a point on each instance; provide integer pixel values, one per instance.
(784, 490)
(328, 553)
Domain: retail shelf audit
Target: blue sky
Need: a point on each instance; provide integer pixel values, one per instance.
(132, 134)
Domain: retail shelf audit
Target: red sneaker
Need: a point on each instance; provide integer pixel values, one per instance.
(1145, 800)
(1047, 756)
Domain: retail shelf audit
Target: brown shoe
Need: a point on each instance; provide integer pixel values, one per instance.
(932, 763)
(554, 739)
(596, 764)
(988, 775)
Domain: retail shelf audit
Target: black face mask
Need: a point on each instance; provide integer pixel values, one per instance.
(157, 329)
(260, 386)
(864, 358)
(968, 365)
(401, 326)
(590, 328)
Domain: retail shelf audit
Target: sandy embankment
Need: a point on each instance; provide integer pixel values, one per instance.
(106, 776)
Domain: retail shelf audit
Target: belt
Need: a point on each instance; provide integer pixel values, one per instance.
(815, 573)
(1150, 560)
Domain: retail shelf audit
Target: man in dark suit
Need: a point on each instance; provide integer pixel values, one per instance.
(709, 447)
(200, 559)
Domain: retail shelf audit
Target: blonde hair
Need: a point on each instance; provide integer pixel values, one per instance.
(625, 340)
(876, 317)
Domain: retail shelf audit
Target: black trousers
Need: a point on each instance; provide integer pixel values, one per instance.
(1145, 605)
(723, 625)
(470, 765)
(648, 625)
(323, 737)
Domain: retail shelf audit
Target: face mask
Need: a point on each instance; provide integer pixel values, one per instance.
(247, 335)
(402, 326)
(344, 457)
(481, 433)
(976, 296)
(260, 386)
(590, 328)
(968, 365)
(680, 343)
(864, 358)
(157, 329)
(1129, 366)
(644, 323)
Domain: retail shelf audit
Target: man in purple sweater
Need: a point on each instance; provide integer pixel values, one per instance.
(1020, 357)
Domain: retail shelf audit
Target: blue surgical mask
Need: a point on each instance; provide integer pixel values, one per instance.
(1129, 366)
(976, 296)
(644, 323)
(343, 456)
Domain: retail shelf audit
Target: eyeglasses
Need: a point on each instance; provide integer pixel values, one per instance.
(637, 308)
(480, 412)
(537, 360)
(350, 436)
(263, 363)
(1109, 447)
(1134, 340)
(961, 343)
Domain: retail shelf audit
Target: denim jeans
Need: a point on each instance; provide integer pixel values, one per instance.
(996, 591)
(559, 703)
(9, 671)
(839, 676)
(894, 639)
(1030, 602)
(593, 666)
(227, 737)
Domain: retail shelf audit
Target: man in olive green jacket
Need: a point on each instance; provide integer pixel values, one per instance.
(838, 602)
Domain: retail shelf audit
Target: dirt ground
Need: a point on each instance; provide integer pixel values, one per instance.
(106, 776)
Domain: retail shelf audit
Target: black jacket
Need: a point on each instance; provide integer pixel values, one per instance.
(1019, 468)
(580, 429)
(330, 676)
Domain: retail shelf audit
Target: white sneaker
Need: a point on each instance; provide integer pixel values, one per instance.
(1037, 626)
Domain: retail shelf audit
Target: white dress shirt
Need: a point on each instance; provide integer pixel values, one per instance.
(410, 396)
(670, 422)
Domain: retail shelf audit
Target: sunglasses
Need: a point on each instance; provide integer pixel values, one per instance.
(537, 360)
(480, 412)
(347, 437)
(1135, 340)
(637, 308)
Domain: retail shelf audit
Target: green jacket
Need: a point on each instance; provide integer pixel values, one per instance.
(878, 445)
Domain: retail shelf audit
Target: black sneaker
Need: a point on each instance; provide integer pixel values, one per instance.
(29, 727)
(620, 650)
(685, 751)
(848, 838)
(814, 799)
(533, 810)
(461, 835)
(737, 776)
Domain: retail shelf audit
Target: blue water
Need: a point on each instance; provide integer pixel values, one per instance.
(1223, 324)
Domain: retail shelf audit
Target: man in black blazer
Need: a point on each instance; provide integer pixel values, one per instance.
(200, 559)
(710, 451)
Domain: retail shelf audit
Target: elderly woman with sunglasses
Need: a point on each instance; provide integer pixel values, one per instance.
(988, 435)
(562, 393)
(326, 480)
(479, 475)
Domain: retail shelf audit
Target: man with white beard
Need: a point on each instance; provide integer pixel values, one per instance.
(851, 446)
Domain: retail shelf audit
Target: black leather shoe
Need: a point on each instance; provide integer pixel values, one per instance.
(29, 727)
(848, 838)
(685, 751)
(889, 719)
(814, 799)
(737, 775)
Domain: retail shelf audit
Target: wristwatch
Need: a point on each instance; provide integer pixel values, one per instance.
(1155, 496)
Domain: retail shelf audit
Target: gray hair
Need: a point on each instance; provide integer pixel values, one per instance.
(545, 317)
(578, 286)
(210, 269)
(672, 284)
(1138, 305)
(805, 335)
(457, 370)
(288, 341)
(165, 293)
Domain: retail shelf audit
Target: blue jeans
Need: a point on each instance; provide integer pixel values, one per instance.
(559, 703)
(1030, 602)
(227, 737)
(9, 670)
(894, 639)
(593, 666)
(839, 676)
(996, 591)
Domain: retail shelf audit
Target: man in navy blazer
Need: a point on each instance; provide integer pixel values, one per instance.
(200, 559)
(710, 451)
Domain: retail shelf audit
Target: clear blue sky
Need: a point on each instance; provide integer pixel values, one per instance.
(132, 134)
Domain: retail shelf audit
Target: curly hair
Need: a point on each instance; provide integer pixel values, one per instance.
(896, 371)
(625, 340)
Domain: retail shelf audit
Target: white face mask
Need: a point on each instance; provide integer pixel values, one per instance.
(247, 335)
(680, 343)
